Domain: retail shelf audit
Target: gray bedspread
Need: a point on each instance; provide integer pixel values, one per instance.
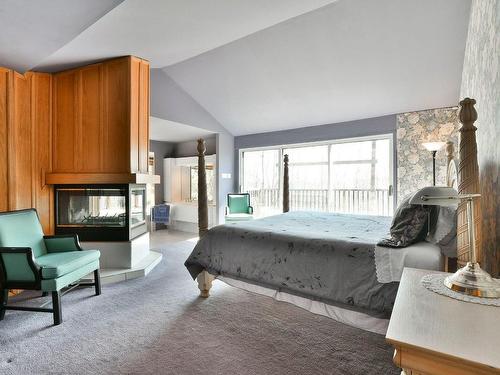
(322, 256)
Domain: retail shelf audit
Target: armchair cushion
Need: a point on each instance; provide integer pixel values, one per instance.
(62, 243)
(22, 229)
(58, 264)
(72, 277)
(238, 203)
(239, 217)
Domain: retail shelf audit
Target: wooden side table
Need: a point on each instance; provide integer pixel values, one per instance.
(433, 334)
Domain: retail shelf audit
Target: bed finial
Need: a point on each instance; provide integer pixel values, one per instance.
(286, 185)
(468, 114)
(202, 190)
(468, 180)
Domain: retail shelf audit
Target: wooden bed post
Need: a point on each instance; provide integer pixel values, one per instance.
(202, 190)
(451, 181)
(204, 278)
(286, 185)
(468, 181)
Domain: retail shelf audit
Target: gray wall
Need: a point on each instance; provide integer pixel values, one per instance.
(481, 81)
(350, 129)
(185, 149)
(161, 150)
(170, 102)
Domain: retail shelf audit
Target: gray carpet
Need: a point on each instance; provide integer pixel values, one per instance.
(159, 325)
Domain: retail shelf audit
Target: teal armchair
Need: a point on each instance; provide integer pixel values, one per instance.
(30, 260)
(238, 207)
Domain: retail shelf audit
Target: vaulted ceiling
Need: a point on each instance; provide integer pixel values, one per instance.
(169, 31)
(30, 31)
(259, 65)
(350, 60)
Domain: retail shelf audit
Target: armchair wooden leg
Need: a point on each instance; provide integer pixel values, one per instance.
(97, 282)
(4, 296)
(56, 306)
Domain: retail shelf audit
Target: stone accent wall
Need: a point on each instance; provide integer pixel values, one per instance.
(481, 81)
(414, 162)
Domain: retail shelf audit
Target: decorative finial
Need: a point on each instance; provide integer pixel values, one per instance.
(468, 114)
(201, 147)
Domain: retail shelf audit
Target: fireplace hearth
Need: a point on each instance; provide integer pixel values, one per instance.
(101, 212)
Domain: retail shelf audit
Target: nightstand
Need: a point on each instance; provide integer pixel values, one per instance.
(433, 334)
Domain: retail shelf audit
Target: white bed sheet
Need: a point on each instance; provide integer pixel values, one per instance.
(349, 317)
(389, 262)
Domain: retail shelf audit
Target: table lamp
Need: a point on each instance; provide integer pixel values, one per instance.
(470, 279)
(433, 147)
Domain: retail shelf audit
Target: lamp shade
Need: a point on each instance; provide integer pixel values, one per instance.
(436, 196)
(433, 146)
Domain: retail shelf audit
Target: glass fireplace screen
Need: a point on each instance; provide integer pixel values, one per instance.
(79, 207)
(137, 206)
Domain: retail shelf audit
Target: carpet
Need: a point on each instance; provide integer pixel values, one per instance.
(159, 325)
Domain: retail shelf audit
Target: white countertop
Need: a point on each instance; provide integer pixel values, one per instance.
(430, 321)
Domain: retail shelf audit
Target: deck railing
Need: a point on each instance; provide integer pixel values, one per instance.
(354, 201)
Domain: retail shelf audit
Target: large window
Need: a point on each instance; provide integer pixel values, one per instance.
(261, 178)
(350, 176)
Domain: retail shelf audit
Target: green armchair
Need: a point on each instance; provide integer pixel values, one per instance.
(30, 260)
(238, 207)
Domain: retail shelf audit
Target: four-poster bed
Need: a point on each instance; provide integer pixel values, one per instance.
(320, 261)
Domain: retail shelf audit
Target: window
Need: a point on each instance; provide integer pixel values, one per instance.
(261, 178)
(350, 176)
(194, 183)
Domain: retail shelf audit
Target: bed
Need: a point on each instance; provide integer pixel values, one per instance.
(327, 263)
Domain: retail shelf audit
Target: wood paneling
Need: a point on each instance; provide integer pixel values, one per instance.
(4, 187)
(25, 143)
(102, 178)
(135, 84)
(20, 143)
(117, 116)
(41, 119)
(143, 135)
(101, 118)
(65, 120)
(89, 130)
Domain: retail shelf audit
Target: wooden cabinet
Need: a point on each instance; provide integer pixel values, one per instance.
(25, 143)
(101, 121)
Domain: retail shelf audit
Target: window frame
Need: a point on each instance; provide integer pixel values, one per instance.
(282, 147)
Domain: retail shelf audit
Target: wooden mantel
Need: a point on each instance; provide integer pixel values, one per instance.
(100, 178)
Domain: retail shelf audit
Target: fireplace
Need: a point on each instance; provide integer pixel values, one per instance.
(101, 212)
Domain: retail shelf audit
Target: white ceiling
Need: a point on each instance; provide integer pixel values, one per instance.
(168, 31)
(259, 65)
(32, 30)
(170, 131)
(350, 60)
